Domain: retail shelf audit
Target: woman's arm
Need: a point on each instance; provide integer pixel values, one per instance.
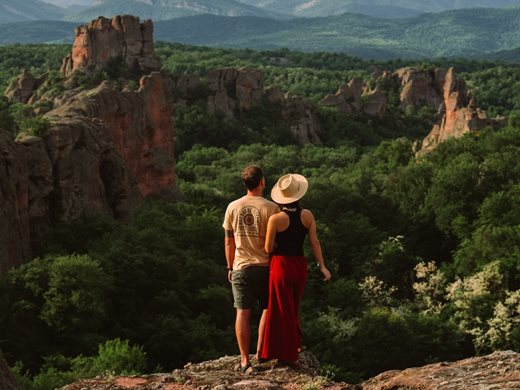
(271, 234)
(315, 244)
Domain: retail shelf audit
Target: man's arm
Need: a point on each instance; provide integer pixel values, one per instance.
(229, 249)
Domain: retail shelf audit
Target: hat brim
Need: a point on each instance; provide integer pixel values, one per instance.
(278, 197)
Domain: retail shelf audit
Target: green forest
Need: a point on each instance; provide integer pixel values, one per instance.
(424, 253)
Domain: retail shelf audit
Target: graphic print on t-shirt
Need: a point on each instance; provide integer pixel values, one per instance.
(248, 222)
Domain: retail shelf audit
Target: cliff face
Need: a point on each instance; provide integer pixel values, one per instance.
(500, 370)
(139, 124)
(23, 89)
(438, 89)
(107, 148)
(15, 244)
(104, 40)
(233, 91)
(459, 114)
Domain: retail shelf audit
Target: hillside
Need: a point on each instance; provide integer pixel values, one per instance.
(377, 8)
(170, 9)
(36, 32)
(475, 33)
(16, 11)
(450, 34)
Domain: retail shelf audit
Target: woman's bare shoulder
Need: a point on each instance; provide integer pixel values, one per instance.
(307, 217)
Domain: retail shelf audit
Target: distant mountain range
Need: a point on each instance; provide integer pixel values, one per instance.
(18, 10)
(170, 9)
(377, 8)
(86, 10)
(470, 33)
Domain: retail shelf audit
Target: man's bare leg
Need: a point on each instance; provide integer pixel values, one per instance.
(261, 328)
(243, 332)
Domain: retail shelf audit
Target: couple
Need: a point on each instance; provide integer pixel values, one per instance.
(254, 228)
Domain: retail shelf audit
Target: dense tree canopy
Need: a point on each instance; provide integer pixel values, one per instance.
(425, 253)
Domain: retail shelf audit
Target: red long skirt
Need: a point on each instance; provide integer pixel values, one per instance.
(282, 335)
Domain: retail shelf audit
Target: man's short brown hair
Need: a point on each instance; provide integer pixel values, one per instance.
(252, 176)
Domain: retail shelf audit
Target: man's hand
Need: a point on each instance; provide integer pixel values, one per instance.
(229, 275)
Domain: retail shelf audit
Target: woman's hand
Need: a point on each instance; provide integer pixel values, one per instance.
(326, 273)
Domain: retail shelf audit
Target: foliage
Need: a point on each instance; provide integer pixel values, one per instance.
(425, 253)
(36, 126)
(114, 357)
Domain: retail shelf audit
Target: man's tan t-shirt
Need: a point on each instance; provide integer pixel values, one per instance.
(247, 217)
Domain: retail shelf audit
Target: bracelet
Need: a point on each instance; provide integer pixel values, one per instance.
(230, 269)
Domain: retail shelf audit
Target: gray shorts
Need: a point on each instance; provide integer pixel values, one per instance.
(250, 286)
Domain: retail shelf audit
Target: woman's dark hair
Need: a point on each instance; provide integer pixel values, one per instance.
(292, 205)
(252, 176)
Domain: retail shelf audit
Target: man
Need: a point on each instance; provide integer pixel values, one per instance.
(245, 225)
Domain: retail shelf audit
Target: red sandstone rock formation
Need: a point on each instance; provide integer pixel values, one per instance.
(235, 90)
(103, 40)
(15, 243)
(421, 88)
(459, 114)
(106, 149)
(303, 123)
(349, 99)
(24, 87)
(139, 124)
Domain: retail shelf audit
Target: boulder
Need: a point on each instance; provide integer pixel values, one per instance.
(22, 91)
(104, 40)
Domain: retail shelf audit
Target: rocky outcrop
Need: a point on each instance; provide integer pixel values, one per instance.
(235, 90)
(500, 370)
(459, 114)
(356, 98)
(438, 89)
(421, 88)
(303, 123)
(15, 244)
(7, 379)
(24, 87)
(139, 124)
(222, 374)
(104, 40)
(348, 97)
(105, 150)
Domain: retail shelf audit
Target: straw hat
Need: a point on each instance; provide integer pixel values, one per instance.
(289, 188)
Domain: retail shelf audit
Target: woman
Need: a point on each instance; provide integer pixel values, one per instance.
(286, 232)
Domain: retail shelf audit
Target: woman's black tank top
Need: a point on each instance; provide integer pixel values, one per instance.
(290, 241)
